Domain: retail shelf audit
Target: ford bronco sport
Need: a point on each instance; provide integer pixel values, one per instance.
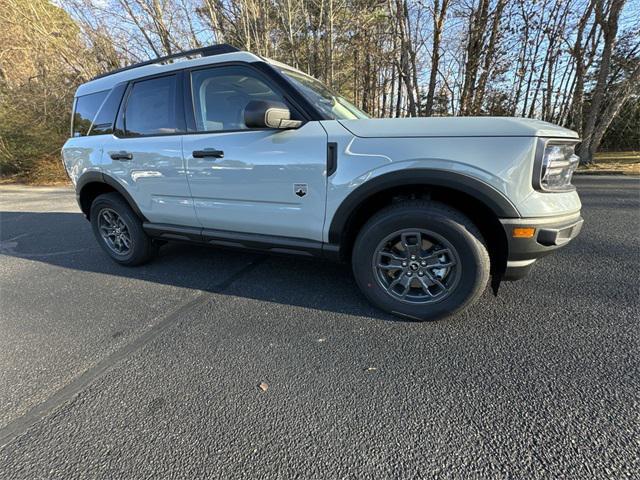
(235, 150)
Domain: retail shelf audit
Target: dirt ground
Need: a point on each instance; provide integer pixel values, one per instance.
(625, 163)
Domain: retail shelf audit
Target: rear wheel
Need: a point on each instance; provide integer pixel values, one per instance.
(119, 230)
(420, 260)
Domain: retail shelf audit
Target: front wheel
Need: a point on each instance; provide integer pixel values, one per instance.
(420, 260)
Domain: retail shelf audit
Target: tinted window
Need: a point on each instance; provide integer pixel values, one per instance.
(106, 117)
(151, 107)
(221, 94)
(85, 111)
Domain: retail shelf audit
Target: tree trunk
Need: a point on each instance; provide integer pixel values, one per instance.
(610, 112)
(439, 15)
(488, 59)
(609, 28)
(405, 54)
(477, 26)
(578, 55)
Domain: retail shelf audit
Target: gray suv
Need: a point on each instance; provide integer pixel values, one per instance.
(226, 148)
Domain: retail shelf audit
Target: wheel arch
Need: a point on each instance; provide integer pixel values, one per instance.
(92, 184)
(483, 204)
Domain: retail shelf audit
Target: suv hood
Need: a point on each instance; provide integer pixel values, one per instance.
(455, 127)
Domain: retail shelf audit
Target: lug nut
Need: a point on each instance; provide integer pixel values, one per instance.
(404, 264)
(423, 263)
(413, 257)
(420, 274)
(409, 274)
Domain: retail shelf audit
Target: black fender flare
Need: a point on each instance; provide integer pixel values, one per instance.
(500, 205)
(99, 177)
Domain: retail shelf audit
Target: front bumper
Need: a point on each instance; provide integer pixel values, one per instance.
(550, 234)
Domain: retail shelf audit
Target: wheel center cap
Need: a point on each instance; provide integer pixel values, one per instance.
(414, 266)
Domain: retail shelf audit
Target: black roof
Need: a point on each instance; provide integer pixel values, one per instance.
(203, 52)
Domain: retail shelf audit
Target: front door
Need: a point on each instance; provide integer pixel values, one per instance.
(264, 181)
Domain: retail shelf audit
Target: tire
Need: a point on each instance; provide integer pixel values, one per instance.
(440, 237)
(112, 206)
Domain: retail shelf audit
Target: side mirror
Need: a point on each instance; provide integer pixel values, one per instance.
(268, 114)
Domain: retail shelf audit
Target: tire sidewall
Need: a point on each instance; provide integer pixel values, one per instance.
(467, 246)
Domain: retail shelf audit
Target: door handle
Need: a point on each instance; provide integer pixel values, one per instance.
(208, 152)
(121, 156)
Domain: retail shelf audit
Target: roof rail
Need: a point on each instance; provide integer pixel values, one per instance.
(203, 52)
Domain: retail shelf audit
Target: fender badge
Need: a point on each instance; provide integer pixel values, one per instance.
(300, 189)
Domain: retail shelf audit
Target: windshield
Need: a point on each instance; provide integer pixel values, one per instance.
(332, 105)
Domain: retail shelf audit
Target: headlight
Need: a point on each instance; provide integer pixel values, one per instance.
(556, 167)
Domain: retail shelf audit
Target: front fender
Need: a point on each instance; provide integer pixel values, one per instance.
(497, 171)
(377, 182)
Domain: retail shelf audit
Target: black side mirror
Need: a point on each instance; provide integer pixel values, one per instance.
(268, 114)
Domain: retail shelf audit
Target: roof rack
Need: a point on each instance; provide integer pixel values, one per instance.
(203, 52)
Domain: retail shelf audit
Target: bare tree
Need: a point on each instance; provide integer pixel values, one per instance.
(607, 17)
(489, 56)
(559, 60)
(578, 53)
(477, 25)
(439, 16)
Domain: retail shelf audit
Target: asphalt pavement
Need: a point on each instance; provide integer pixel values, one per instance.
(155, 372)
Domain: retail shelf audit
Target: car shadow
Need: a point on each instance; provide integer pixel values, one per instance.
(65, 240)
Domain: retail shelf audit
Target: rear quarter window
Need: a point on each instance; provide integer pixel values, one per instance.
(104, 121)
(85, 110)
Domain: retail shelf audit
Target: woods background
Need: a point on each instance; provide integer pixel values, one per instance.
(571, 62)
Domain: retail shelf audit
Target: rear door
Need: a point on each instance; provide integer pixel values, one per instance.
(145, 152)
(264, 181)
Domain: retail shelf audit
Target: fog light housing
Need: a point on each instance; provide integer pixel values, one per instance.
(557, 165)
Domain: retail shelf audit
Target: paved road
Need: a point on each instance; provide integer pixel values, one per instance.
(110, 372)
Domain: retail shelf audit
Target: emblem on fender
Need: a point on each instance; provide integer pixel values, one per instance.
(300, 189)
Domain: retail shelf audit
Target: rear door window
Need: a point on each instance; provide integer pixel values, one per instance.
(151, 107)
(85, 111)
